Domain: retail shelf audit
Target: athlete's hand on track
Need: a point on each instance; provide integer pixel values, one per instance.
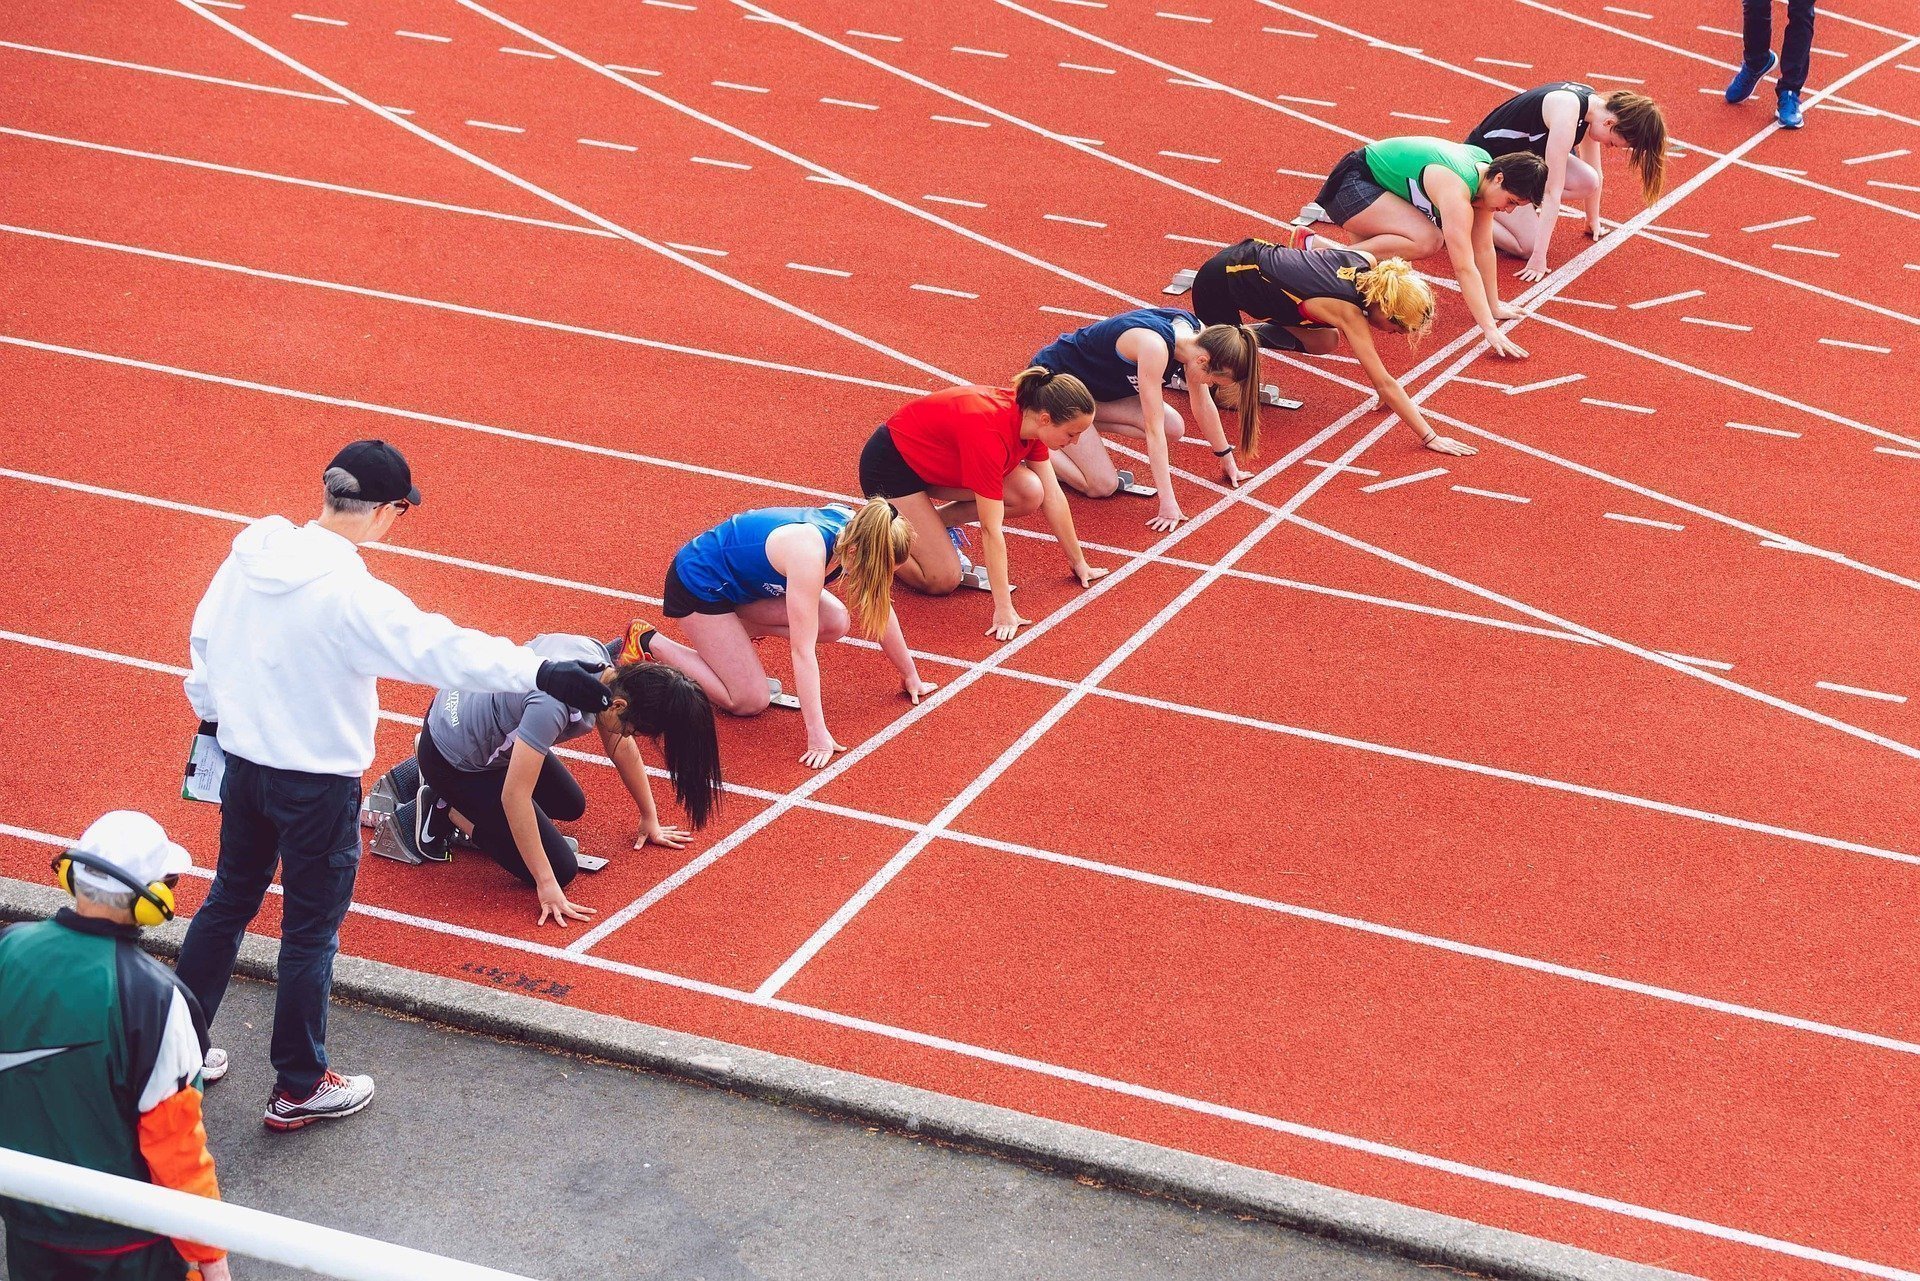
(553, 902)
(818, 754)
(917, 689)
(1536, 269)
(1230, 471)
(1596, 230)
(1504, 312)
(1168, 519)
(1087, 574)
(1007, 624)
(1501, 345)
(1446, 445)
(673, 838)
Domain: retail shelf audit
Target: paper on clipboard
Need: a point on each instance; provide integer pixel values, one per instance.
(206, 767)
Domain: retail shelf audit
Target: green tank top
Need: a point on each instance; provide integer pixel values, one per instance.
(1397, 164)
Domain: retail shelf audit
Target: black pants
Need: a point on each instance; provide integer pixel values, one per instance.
(1794, 45)
(309, 826)
(1216, 300)
(476, 794)
(156, 1262)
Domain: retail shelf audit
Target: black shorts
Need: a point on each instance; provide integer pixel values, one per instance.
(677, 601)
(1349, 189)
(883, 472)
(1217, 300)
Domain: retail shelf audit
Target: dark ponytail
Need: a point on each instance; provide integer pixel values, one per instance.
(665, 704)
(1061, 397)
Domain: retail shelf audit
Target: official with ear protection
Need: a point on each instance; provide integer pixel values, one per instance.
(101, 1053)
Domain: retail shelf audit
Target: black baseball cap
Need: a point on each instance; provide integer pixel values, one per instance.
(383, 474)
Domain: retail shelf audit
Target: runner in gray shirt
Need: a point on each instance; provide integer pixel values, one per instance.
(488, 768)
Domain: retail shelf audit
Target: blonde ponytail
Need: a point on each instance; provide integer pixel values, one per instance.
(1402, 293)
(871, 547)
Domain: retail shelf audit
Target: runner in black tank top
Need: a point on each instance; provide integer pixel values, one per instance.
(1519, 125)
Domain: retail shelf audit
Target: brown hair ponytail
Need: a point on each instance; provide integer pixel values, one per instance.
(871, 547)
(1637, 119)
(1235, 350)
(1061, 397)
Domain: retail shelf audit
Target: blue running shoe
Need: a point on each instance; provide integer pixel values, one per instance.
(1789, 114)
(1747, 79)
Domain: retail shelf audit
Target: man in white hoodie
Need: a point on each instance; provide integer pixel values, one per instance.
(287, 645)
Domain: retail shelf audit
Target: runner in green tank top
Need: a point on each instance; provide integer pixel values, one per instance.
(1412, 197)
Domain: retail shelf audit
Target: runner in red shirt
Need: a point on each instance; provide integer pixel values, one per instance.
(980, 453)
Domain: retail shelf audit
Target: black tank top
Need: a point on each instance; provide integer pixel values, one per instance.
(1517, 123)
(1288, 277)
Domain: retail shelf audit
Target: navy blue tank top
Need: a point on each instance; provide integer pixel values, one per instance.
(1089, 355)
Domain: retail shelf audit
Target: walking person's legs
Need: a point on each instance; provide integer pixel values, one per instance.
(1796, 49)
(249, 852)
(1757, 57)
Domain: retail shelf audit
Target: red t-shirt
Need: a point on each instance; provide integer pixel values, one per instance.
(963, 438)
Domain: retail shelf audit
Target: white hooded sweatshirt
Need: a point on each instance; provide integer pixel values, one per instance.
(291, 636)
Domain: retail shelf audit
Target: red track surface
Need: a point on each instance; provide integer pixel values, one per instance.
(1403, 856)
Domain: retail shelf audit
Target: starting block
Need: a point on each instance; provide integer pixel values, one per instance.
(1309, 214)
(586, 862)
(388, 812)
(975, 576)
(1270, 395)
(778, 697)
(1129, 487)
(1182, 281)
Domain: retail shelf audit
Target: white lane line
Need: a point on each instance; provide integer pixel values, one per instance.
(610, 146)
(1289, 31)
(518, 53)
(1783, 222)
(669, 4)
(1070, 312)
(168, 71)
(1197, 240)
(632, 71)
(1897, 453)
(1721, 31)
(422, 35)
(955, 200)
(1431, 120)
(1397, 481)
(1717, 324)
(733, 84)
(1182, 155)
(961, 120)
(1802, 249)
(1305, 102)
(696, 249)
(982, 53)
(1666, 298)
(1878, 155)
(823, 271)
(723, 164)
(1691, 661)
(1099, 71)
(488, 124)
(1863, 693)
(1561, 381)
(1584, 302)
(1506, 62)
(875, 35)
(1628, 13)
(1084, 4)
(1681, 231)
(1614, 404)
(1857, 346)
(1483, 382)
(1765, 431)
(1180, 17)
(1618, 80)
(580, 228)
(1642, 520)
(1489, 493)
(222, 4)
(1302, 173)
(1077, 222)
(1892, 186)
(1359, 471)
(936, 289)
(1185, 83)
(325, 22)
(845, 102)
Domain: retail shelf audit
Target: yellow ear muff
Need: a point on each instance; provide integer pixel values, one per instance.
(63, 872)
(156, 907)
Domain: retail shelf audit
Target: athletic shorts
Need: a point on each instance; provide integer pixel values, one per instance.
(678, 600)
(883, 472)
(1349, 189)
(1218, 300)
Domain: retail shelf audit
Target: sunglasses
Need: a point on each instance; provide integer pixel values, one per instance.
(402, 505)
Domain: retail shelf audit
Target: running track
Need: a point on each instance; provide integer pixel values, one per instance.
(1533, 840)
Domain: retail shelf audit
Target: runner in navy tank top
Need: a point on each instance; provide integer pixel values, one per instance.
(765, 573)
(1127, 362)
(1568, 124)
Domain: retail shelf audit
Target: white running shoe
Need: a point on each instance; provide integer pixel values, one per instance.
(215, 1066)
(335, 1096)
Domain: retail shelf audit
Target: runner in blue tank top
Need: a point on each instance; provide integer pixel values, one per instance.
(1127, 362)
(765, 573)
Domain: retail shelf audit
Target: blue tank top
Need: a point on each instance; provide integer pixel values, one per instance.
(1088, 354)
(729, 562)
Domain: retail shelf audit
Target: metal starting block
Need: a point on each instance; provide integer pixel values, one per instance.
(586, 862)
(1129, 487)
(1309, 214)
(975, 576)
(1270, 395)
(778, 697)
(388, 811)
(1181, 282)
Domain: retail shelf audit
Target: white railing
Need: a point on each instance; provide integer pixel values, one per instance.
(253, 1233)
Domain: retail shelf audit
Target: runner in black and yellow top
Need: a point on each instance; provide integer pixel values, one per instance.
(1307, 299)
(1410, 197)
(1567, 123)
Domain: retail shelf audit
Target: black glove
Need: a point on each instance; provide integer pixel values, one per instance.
(575, 684)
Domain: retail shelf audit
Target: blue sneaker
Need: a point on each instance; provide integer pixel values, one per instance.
(1789, 114)
(1747, 79)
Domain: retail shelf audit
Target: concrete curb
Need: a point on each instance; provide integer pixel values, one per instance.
(1366, 1222)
